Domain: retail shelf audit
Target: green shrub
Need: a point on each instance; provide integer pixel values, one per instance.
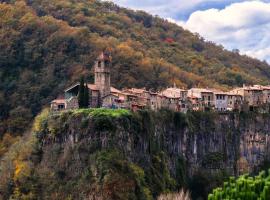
(244, 188)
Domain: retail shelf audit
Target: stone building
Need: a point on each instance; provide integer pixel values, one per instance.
(205, 97)
(235, 102)
(102, 74)
(58, 104)
(174, 99)
(221, 101)
(265, 91)
(100, 93)
(252, 96)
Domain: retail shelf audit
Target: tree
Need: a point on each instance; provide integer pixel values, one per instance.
(86, 96)
(244, 187)
(81, 94)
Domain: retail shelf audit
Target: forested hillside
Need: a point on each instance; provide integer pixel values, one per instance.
(48, 44)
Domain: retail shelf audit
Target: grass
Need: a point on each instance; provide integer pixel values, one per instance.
(97, 112)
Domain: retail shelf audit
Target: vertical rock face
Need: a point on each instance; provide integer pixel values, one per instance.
(231, 142)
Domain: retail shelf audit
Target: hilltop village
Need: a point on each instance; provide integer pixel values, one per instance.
(102, 94)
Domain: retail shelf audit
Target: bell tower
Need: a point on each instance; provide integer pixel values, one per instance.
(102, 73)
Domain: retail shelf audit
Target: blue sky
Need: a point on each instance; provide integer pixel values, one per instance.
(236, 24)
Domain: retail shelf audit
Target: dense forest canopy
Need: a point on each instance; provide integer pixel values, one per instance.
(48, 44)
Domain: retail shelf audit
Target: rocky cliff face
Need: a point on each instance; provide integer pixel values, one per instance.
(211, 141)
(118, 155)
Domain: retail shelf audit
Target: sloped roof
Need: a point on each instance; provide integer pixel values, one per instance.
(92, 87)
(72, 86)
(59, 101)
(114, 90)
(136, 90)
(172, 92)
(201, 90)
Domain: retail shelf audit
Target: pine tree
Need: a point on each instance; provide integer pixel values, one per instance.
(86, 96)
(81, 94)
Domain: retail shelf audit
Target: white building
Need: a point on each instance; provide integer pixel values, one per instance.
(221, 101)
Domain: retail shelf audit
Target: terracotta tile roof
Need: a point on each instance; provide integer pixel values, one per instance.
(59, 101)
(201, 90)
(129, 94)
(262, 87)
(136, 90)
(231, 93)
(252, 88)
(92, 87)
(193, 97)
(110, 95)
(172, 92)
(221, 93)
(114, 90)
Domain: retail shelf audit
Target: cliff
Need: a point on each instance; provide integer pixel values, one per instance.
(116, 154)
(208, 140)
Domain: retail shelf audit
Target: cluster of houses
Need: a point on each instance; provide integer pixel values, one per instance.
(101, 94)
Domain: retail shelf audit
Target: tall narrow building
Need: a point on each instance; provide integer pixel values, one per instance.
(102, 73)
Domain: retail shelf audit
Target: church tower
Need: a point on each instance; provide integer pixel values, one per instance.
(102, 73)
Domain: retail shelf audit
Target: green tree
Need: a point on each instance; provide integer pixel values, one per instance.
(86, 96)
(244, 187)
(81, 99)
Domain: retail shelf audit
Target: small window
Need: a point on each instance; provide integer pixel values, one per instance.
(99, 63)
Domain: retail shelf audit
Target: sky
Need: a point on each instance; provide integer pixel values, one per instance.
(235, 24)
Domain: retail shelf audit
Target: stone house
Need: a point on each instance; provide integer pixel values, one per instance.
(58, 104)
(111, 101)
(205, 96)
(266, 93)
(143, 96)
(174, 99)
(235, 102)
(221, 101)
(252, 96)
(194, 103)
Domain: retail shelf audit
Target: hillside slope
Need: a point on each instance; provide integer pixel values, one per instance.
(48, 44)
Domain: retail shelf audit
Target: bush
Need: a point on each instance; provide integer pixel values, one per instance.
(244, 188)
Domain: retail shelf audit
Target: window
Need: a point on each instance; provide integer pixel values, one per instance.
(99, 63)
(107, 63)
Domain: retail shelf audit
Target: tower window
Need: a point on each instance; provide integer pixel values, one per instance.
(99, 63)
(107, 63)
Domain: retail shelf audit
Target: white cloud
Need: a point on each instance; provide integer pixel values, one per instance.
(244, 26)
(171, 8)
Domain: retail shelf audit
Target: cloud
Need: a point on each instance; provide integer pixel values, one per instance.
(244, 26)
(177, 9)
